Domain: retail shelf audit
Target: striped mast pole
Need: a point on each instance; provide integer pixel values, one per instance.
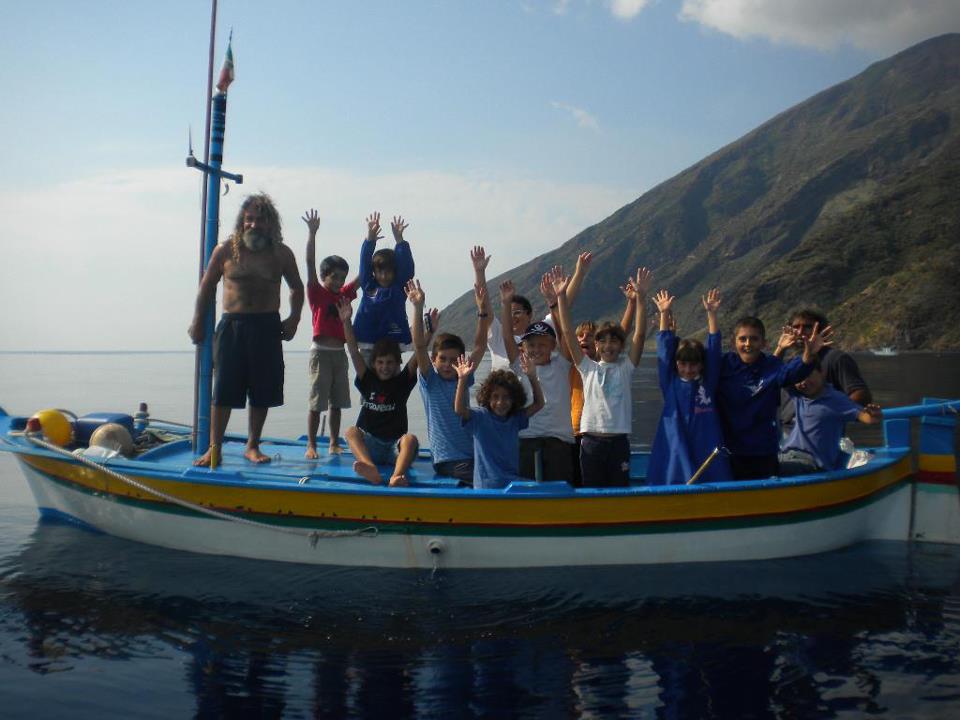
(213, 172)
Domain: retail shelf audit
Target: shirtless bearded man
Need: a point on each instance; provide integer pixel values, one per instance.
(247, 356)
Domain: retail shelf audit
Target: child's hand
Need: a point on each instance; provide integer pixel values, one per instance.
(344, 309)
(434, 315)
(506, 292)
(480, 259)
(397, 225)
(464, 366)
(711, 301)
(558, 281)
(629, 290)
(642, 282)
(312, 219)
(414, 292)
(528, 367)
(583, 262)
(873, 410)
(818, 339)
(664, 301)
(373, 227)
(546, 289)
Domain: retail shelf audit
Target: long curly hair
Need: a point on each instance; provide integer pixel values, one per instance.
(509, 382)
(262, 205)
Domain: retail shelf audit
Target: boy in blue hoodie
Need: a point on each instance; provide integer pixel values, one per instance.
(383, 274)
(749, 395)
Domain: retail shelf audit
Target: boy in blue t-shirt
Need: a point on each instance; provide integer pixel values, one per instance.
(749, 395)
(383, 275)
(450, 444)
(822, 411)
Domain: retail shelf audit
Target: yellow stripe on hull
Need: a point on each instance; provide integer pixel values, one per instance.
(938, 463)
(504, 511)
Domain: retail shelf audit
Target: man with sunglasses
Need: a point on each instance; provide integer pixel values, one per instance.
(839, 368)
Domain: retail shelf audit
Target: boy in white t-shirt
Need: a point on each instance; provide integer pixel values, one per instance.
(549, 433)
(607, 411)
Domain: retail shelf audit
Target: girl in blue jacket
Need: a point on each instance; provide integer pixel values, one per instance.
(689, 428)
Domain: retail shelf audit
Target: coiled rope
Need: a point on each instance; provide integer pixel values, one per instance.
(312, 535)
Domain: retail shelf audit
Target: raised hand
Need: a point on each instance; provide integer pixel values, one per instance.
(344, 309)
(663, 301)
(583, 261)
(373, 227)
(527, 365)
(546, 288)
(434, 315)
(642, 282)
(818, 339)
(788, 337)
(397, 225)
(558, 280)
(312, 219)
(711, 301)
(479, 259)
(507, 292)
(464, 366)
(629, 290)
(414, 293)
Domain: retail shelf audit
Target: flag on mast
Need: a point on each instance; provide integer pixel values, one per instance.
(226, 71)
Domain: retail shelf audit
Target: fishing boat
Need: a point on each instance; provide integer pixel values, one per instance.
(320, 512)
(885, 351)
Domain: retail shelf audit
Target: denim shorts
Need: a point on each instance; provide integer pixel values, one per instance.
(382, 452)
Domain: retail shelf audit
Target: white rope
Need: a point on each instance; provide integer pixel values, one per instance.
(312, 535)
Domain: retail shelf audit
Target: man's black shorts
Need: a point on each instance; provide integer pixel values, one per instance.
(248, 359)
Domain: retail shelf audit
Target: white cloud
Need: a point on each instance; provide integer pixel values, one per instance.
(110, 262)
(627, 9)
(876, 25)
(584, 119)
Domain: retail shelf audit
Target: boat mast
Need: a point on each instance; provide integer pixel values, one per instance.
(212, 169)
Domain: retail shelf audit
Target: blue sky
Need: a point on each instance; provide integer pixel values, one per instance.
(512, 123)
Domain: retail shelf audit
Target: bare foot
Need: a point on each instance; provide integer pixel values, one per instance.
(204, 460)
(399, 481)
(368, 472)
(311, 453)
(255, 456)
(335, 448)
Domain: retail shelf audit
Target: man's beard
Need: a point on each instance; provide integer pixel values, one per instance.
(255, 241)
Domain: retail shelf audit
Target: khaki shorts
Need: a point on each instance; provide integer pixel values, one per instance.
(329, 385)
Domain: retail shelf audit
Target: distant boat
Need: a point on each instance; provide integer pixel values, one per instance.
(885, 351)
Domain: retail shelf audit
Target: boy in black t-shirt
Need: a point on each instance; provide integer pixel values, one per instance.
(381, 428)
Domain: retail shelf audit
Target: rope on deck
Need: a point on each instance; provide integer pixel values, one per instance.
(312, 535)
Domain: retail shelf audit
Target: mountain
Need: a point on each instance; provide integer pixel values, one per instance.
(847, 202)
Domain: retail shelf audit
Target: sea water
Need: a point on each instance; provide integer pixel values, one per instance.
(93, 626)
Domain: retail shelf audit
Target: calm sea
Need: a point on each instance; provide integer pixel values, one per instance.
(93, 627)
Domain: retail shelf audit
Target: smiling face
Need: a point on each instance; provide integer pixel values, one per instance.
(689, 370)
(520, 318)
(501, 401)
(385, 366)
(444, 362)
(608, 347)
(587, 341)
(539, 348)
(749, 343)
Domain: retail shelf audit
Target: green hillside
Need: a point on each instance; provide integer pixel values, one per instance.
(847, 201)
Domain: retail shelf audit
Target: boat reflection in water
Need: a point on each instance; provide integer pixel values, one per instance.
(867, 629)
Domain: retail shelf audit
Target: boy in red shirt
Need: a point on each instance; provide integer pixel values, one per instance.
(329, 384)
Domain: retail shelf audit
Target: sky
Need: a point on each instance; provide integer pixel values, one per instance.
(512, 124)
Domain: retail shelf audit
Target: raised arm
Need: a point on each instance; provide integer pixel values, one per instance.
(642, 284)
(506, 320)
(630, 308)
(366, 251)
(788, 338)
(530, 370)
(479, 259)
(292, 277)
(560, 283)
(405, 266)
(579, 273)
(312, 219)
(550, 297)
(461, 404)
(484, 318)
(417, 298)
(345, 309)
(711, 303)
(206, 292)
